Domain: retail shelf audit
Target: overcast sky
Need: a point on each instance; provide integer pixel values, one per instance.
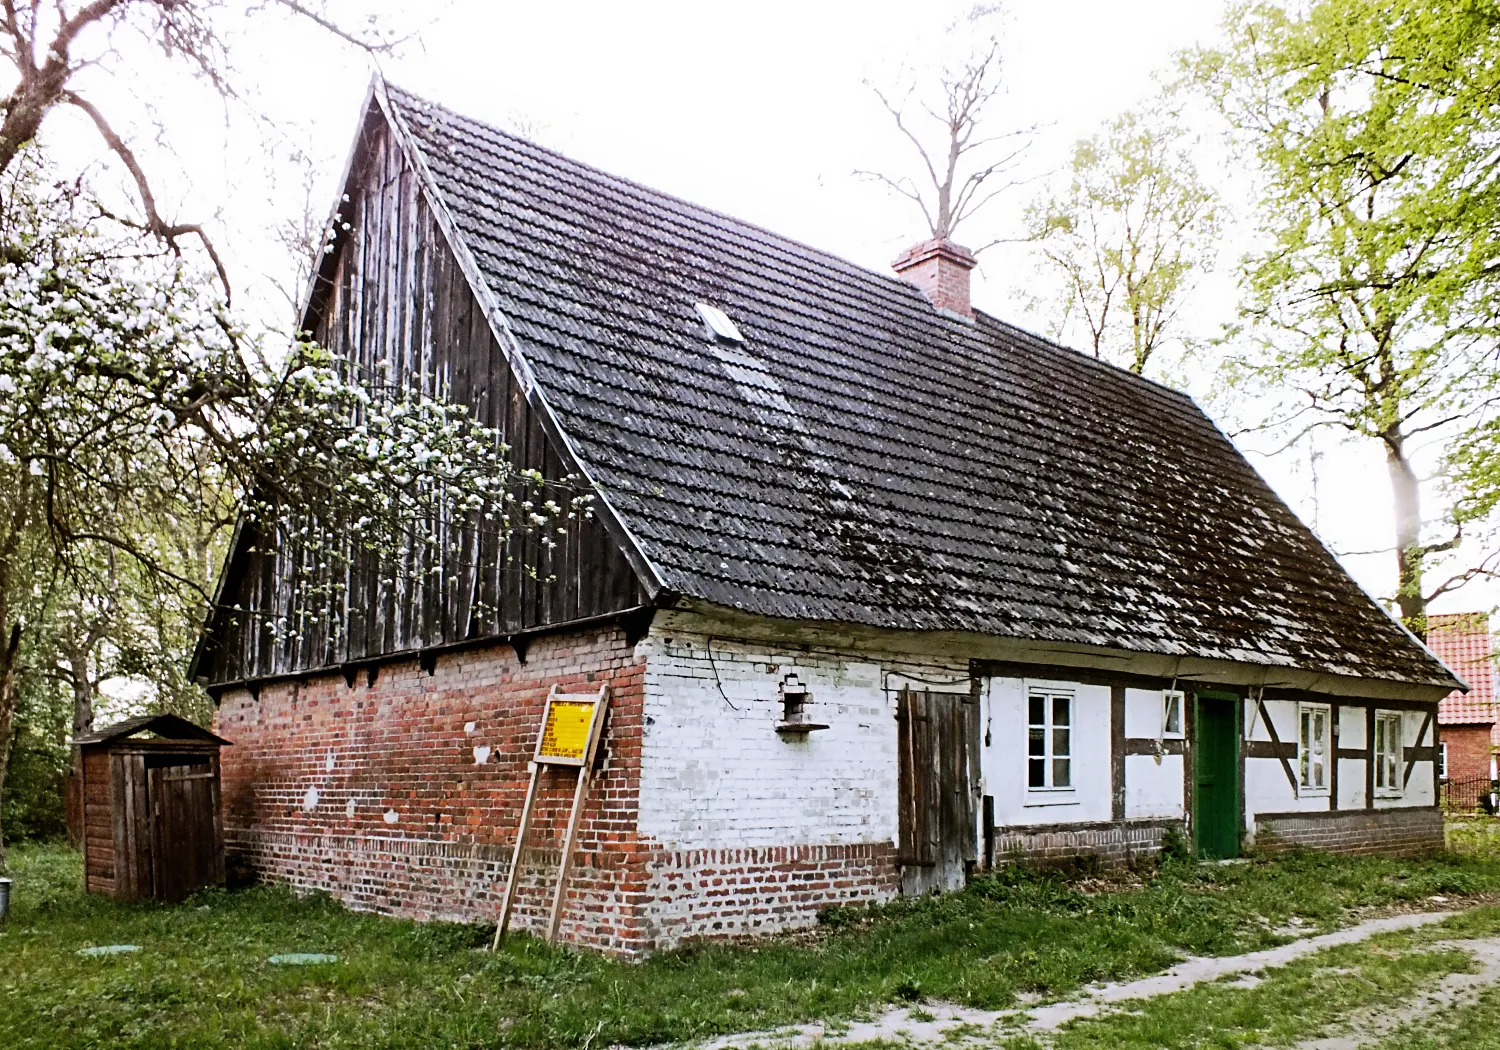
(759, 109)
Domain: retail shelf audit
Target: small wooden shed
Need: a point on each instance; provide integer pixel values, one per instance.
(151, 825)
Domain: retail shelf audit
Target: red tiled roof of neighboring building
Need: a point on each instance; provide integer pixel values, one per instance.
(1462, 641)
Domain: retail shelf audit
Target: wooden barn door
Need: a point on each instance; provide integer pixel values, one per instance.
(938, 737)
(184, 833)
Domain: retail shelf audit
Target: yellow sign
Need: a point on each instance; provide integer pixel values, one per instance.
(565, 735)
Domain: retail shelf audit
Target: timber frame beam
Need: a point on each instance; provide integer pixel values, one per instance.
(634, 623)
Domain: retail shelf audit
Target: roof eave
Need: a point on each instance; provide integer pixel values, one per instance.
(974, 645)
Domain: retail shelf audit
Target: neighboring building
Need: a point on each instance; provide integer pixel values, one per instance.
(1468, 720)
(1042, 606)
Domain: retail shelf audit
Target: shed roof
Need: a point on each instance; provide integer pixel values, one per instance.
(865, 458)
(170, 727)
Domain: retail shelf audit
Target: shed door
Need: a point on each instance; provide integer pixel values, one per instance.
(938, 737)
(184, 851)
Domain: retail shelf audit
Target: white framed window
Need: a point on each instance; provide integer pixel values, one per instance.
(1388, 753)
(1312, 748)
(1171, 713)
(1049, 739)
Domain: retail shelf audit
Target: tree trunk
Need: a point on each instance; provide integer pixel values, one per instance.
(1406, 495)
(7, 717)
(83, 691)
(83, 722)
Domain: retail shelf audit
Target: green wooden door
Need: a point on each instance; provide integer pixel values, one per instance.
(1216, 765)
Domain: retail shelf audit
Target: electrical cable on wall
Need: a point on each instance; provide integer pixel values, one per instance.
(718, 683)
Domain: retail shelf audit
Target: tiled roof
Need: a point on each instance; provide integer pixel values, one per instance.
(863, 457)
(1462, 641)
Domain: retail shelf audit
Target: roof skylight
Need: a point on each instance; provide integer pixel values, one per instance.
(719, 323)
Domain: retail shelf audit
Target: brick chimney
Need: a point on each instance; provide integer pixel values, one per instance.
(941, 269)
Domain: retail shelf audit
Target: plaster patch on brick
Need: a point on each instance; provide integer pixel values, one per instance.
(469, 728)
(328, 762)
(481, 754)
(310, 800)
(349, 809)
(391, 816)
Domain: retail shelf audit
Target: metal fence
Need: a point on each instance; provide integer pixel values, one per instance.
(1470, 795)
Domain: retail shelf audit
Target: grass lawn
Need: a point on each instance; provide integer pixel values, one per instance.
(202, 978)
(1474, 836)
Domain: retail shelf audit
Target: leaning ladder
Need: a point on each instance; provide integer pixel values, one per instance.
(569, 736)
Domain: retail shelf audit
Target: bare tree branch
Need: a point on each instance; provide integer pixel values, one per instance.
(154, 224)
(954, 156)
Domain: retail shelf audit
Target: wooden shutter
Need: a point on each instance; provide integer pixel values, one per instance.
(919, 818)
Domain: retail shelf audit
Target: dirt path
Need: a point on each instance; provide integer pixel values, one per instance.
(1367, 1027)
(947, 1023)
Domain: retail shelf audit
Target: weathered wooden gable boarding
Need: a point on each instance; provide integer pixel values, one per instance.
(883, 589)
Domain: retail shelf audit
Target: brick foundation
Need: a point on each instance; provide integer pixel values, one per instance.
(1410, 831)
(374, 794)
(719, 893)
(1114, 844)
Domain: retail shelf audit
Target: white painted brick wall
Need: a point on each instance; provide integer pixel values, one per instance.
(714, 772)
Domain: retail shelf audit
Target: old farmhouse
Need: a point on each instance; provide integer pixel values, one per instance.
(884, 590)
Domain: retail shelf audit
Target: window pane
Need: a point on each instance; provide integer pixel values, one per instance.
(1062, 742)
(1038, 714)
(1304, 754)
(1317, 773)
(1037, 741)
(1061, 706)
(1062, 772)
(1173, 716)
(1036, 773)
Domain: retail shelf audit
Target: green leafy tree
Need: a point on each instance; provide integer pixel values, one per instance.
(1371, 127)
(39, 759)
(1123, 240)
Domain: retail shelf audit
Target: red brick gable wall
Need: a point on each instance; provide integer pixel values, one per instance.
(1468, 748)
(374, 793)
(1462, 641)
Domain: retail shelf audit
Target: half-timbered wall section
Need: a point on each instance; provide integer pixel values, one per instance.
(392, 299)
